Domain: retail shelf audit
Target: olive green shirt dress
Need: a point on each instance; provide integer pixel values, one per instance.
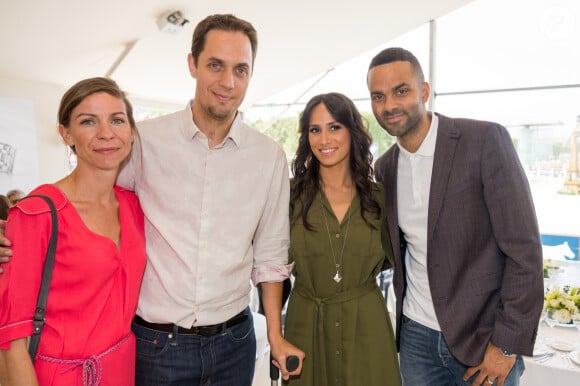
(344, 328)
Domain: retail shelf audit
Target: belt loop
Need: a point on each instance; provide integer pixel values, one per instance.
(173, 337)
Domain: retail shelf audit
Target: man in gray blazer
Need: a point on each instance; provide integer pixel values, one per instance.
(468, 259)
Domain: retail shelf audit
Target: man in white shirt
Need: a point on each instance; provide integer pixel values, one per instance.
(468, 259)
(215, 196)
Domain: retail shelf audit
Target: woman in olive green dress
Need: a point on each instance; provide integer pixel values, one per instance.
(336, 312)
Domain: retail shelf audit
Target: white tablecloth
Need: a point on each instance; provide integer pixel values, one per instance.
(568, 273)
(555, 371)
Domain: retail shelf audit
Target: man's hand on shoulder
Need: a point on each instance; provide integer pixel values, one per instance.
(5, 251)
(495, 366)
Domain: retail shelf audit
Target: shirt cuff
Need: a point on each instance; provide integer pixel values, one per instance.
(271, 274)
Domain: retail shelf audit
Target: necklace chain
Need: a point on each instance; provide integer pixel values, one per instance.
(337, 264)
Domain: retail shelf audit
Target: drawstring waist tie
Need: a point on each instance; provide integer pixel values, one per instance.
(92, 368)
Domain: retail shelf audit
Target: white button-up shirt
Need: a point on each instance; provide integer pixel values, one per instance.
(413, 187)
(214, 218)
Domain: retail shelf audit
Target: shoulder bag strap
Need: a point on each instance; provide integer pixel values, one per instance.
(39, 313)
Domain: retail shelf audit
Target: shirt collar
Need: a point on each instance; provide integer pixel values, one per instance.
(191, 130)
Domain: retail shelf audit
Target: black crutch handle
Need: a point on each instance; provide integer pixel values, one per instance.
(292, 363)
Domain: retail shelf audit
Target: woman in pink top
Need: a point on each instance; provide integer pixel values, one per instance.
(100, 255)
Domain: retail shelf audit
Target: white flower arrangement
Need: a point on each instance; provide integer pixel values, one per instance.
(562, 305)
(550, 268)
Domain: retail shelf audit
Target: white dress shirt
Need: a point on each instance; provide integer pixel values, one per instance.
(413, 187)
(214, 218)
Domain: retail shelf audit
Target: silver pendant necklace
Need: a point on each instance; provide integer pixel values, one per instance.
(337, 264)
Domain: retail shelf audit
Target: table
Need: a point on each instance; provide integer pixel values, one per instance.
(554, 371)
(568, 273)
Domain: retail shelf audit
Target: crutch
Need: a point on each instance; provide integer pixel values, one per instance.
(292, 361)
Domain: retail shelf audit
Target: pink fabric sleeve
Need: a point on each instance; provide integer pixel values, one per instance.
(20, 282)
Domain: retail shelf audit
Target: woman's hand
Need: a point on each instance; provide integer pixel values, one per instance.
(281, 349)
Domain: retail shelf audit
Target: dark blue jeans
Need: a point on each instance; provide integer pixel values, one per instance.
(426, 360)
(225, 359)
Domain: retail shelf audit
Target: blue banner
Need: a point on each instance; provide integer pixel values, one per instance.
(559, 247)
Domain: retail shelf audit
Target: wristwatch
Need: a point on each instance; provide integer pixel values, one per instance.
(506, 353)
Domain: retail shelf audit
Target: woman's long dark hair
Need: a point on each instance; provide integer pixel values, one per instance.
(305, 167)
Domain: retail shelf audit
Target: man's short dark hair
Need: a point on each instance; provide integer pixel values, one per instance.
(398, 54)
(223, 23)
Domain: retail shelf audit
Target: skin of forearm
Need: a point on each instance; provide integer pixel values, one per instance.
(272, 302)
(16, 368)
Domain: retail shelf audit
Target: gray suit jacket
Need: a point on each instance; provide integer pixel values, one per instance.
(484, 255)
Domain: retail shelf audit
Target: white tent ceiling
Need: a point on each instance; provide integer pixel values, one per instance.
(62, 41)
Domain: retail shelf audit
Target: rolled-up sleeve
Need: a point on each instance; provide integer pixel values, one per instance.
(272, 238)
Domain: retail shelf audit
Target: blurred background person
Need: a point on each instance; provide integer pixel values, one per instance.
(15, 195)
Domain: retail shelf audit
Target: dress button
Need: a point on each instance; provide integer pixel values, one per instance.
(170, 336)
(337, 324)
(337, 352)
(338, 235)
